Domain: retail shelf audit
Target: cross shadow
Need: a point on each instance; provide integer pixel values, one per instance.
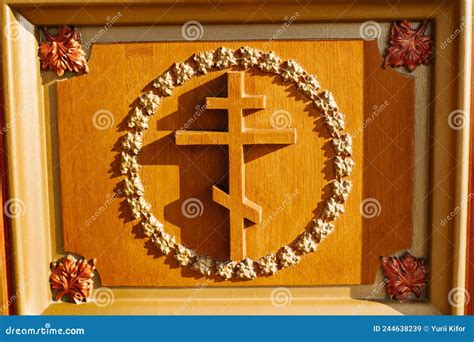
(198, 217)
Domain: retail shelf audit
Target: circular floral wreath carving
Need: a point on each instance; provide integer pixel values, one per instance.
(203, 63)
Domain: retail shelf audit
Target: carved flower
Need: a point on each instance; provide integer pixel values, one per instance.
(343, 166)
(225, 58)
(73, 278)
(328, 100)
(287, 257)
(151, 226)
(404, 275)
(164, 83)
(128, 163)
(225, 269)
(409, 47)
(322, 229)
(341, 189)
(184, 256)
(343, 144)
(268, 264)
(138, 120)
(309, 86)
(334, 121)
(133, 142)
(164, 242)
(63, 52)
(333, 209)
(183, 72)
(203, 265)
(245, 269)
(150, 102)
(138, 206)
(270, 63)
(292, 71)
(306, 244)
(204, 61)
(133, 186)
(250, 56)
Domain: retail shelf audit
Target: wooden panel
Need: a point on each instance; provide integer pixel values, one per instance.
(388, 160)
(287, 182)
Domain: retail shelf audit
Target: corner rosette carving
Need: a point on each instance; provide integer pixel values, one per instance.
(63, 52)
(404, 275)
(71, 279)
(409, 47)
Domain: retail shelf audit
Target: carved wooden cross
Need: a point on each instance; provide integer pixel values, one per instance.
(240, 207)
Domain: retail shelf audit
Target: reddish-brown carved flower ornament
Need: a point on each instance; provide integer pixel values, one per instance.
(73, 278)
(404, 275)
(63, 52)
(409, 47)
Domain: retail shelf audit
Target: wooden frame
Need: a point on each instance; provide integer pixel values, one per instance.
(27, 149)
(469, 308)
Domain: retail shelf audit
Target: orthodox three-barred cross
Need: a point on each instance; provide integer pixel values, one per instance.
(239, 206)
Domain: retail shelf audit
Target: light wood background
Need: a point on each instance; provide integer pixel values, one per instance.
(383, 152)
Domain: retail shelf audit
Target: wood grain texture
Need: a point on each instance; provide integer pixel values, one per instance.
(289, 182)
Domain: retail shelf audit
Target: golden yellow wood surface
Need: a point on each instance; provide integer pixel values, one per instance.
(289, 182)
